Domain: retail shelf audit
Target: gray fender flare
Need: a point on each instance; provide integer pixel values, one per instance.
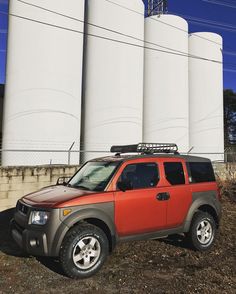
(210, 201)
(78, 216)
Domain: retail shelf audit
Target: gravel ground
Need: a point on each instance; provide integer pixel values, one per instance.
(157, 266)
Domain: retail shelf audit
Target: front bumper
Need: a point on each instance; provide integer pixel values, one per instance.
(31, 241)
(34, 239)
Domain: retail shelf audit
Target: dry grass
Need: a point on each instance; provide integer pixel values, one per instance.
(228, 189)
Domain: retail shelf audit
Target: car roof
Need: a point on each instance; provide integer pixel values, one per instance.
(126, 157)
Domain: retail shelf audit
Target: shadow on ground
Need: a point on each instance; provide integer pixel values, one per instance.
(52, 264)
(9, 247)
(177, 241)
(7, 244)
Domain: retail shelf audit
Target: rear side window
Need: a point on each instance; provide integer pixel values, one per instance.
(174, 173)
(201, 172)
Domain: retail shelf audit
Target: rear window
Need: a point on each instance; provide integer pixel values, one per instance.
(174, 173)
(201, 172)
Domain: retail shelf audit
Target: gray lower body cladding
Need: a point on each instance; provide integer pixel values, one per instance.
(46, 240)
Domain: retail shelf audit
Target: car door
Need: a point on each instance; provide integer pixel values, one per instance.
(138, 210)
(179, 191)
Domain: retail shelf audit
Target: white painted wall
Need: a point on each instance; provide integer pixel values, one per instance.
(166, 106)
(113, 99)
(42, 108)
(206, 95)
(1, 114)
(42, 105)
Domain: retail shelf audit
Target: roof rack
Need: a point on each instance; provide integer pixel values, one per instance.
(146, 148)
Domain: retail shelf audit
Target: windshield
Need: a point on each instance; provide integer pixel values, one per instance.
(94, 176)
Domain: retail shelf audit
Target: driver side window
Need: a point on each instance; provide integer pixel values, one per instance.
(140, 176)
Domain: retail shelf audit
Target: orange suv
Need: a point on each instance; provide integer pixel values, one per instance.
(144, 191)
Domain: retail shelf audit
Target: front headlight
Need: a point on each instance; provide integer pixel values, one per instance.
(38, 217)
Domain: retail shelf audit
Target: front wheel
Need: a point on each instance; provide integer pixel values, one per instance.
(202, 231)
(83, 251)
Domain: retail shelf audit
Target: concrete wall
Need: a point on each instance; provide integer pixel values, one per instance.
(18, 181)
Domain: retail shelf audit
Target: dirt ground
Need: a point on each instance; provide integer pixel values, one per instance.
(157, 266)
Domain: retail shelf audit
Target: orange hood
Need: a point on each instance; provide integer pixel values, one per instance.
(54, 195)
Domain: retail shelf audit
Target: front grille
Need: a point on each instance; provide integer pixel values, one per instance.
(22, 208)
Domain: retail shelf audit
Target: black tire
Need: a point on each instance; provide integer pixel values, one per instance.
(198, 231)
(77, 244)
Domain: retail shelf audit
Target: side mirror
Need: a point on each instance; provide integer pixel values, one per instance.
(63, 181)
(124, 186)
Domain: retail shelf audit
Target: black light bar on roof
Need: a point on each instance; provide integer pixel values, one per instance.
(125, 149)
(147, 148)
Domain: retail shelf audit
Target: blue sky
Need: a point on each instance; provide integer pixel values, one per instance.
(222, 14)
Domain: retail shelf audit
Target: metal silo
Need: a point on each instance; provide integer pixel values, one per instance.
(166, 81)
(42, 108)
(206, 94)
(113, 96)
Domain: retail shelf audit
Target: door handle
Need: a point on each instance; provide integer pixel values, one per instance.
(163, 196)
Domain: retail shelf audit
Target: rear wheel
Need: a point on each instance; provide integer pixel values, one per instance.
(202, 231)
(83, 251)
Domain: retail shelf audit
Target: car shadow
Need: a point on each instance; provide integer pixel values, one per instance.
(51, 264)
(9, 247)
(7, 244)
(179, 241)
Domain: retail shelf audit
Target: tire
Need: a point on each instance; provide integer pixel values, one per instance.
(202, 233)
(83, 251)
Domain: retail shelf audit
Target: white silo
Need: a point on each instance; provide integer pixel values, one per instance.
(42, 108)
(166, 81)
(113, 97)
(206, 94)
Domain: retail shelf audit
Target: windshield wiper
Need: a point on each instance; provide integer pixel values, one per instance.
(81, 187)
